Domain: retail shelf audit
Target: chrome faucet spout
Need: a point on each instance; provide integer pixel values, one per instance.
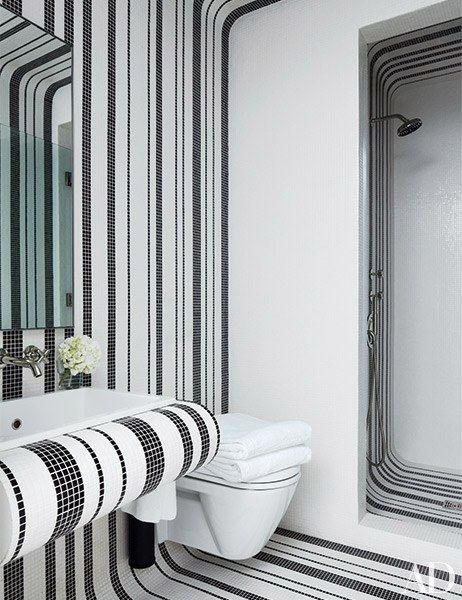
(34, 367)
(31, 359)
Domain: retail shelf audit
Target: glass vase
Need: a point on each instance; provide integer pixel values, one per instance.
(67, 381)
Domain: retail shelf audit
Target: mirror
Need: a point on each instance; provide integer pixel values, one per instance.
(36, 165)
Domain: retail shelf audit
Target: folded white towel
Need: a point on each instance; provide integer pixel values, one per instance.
(243, 436)
(259, 466)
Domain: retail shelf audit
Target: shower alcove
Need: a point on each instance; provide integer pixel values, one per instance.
(412, 281)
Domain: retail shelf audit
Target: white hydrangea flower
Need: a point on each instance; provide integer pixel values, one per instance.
(80, 354)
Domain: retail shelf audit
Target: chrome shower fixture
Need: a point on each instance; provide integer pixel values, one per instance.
(408, 126)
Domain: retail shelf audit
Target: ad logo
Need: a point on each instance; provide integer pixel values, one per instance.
(430, 584)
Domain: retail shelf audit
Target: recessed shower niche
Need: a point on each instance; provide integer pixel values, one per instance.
(414, 325)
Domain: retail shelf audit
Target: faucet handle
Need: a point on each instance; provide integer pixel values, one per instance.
(36, 355)
(46, 356)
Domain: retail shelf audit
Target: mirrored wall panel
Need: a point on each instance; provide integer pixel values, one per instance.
(36, 168)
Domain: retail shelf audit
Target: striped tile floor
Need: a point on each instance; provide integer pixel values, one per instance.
(291, 567)
(91, 564)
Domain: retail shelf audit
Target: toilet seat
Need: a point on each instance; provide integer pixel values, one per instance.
(280, 479)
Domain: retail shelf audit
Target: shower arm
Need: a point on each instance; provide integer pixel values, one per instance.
(388, 117)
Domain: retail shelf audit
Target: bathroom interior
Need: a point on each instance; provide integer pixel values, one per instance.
(230, 291)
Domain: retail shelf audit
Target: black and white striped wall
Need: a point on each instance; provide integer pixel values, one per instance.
(396, 488)
(151, 275)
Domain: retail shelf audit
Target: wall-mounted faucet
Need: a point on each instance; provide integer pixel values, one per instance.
(31, 359)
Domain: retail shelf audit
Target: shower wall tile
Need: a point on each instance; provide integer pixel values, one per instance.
(415, 241)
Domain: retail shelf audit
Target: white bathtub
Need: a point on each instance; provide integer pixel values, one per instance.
(48, 415)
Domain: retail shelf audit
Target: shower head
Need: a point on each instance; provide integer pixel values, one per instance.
(408, 126)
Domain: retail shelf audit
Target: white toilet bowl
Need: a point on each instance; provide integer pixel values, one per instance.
(231, 520)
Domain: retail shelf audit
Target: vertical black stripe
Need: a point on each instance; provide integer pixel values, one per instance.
(13, 576)
(117, 586)
(49, 375)
(71, 591)
(50, 570)
(88, 580)
(12, 376)
(159, 232)
(111, 126)
(86, 171)
(69, 21)
(176, 199)
(183, 225)
(129, 327)
(14, 5)
(49, 14)
(148, 191)
(196, 198)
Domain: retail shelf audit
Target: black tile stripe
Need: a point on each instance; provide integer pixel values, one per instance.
(122, 463)
(11, 375)
(183, 219)
(129, 327)
(203, 430)
(8, 21)
(50, 368)
(88, 578)
(13, 31)
(152, 448)
(185, 438)
(111, 133)
(358, 552)
(334, 578)
(13, 580)
(86, 171)
(176, 198)
(68, 482)
(14, 5)
(50, 570)
(204, 579)
(69, 553)
(148, 192)
(159, 185)
(117, 585)
(250, 573)
(374, 580)
(256, 570)
(21, 508)
(196, 199)
(187, 584)
(144, 588)
(69, 21)
(49, 10)
(95, 458)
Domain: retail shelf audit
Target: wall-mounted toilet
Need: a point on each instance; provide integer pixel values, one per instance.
(231, 520)
(231, 506)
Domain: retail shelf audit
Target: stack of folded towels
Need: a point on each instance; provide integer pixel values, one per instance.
(251, 448)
